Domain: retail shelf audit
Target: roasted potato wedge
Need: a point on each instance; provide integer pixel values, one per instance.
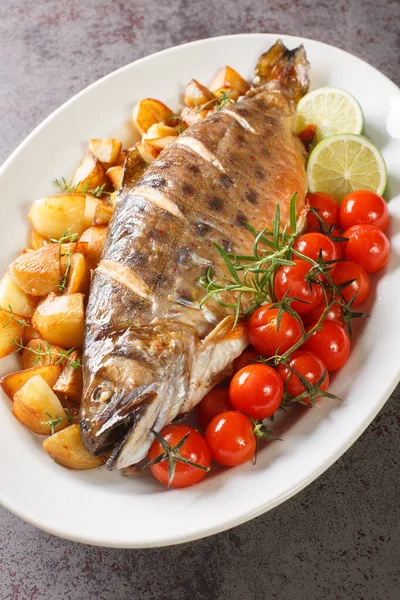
(11, 328)
(106, 150)
(39, 352)
(67, 449)
(79, 275)
(60, 320)
(35, 404)
(94, 237)
(227, 79)
(12, 297)
(159, 130)
(89, 175)
(116, 174)
(197, 94)
(70, 382)
(103, 213)
(53, 216)
(192, 116)
(149, 111)
(29, 333)
(11, 383)
(146, 152)
(159, 144)
(38, 272)
(37, 240)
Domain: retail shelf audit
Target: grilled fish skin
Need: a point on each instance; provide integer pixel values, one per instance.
(150, 352)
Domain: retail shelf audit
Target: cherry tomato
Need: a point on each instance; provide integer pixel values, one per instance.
(194, 449)
(248, 357)
(310, 367)
(364, 206)
(327, 207)
(231, 439)
(291, 279)
(335, 313)
(311, 244)
(213, 403)
(368, 246)
(331, 344)
(347, 271)
(264, 335)
(256, 390)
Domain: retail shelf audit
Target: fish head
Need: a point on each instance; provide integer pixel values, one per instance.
(128, 375)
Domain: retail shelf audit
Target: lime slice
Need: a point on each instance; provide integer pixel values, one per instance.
(346, 162)
(332, 110)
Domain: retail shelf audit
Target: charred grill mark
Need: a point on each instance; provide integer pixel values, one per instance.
(252, 197)
(225, 181)
(241, 219)
(188, 189)
(216, 203)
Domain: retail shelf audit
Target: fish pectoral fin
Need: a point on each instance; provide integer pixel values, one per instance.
(225, 331)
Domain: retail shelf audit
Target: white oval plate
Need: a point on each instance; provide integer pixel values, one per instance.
(108, 509)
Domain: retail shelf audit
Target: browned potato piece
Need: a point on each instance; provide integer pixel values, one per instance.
(14, 381)
(146, 152)
(79, 275)
(38, 272)
(89, 175)
(106, 150)
(159, 130)
(60, 319)
(54, 216)
(29, 333)
(70, 382)
(67, 449)
(37, 240)
(197, 94)
(10, 330)
(116, 174)
(103, 213)
(39, 352)
(159, 143)
(12, 296)
(149, 111)
(229, 79)
(72, 248)
(94, 238)
(33, 401)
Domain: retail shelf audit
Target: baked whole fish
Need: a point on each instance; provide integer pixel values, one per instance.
(151, 353)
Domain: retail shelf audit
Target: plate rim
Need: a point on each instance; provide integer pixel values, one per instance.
(202, 532)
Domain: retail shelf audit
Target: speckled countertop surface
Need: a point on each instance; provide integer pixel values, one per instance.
(339, 538)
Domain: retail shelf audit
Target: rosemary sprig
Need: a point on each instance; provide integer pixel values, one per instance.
(12, 317)
(53, 422)
(47, 351)
(99, 191)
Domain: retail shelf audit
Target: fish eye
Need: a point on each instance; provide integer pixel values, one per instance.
(103, 392)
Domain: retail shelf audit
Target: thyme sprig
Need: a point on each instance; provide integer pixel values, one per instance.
(99, 191)
(64, 279)
(218, 103)
(51, 354)
(12, 317)
(54, 421)
(66, 238)
(172, 455)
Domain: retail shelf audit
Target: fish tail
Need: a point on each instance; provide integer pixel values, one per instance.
(289, 67)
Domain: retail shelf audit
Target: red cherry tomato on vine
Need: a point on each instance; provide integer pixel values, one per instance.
(248, 357)
(213, 403)
(331, 344)
(348, 271)
(231, 438)
(368, 246)
(312, 244)
(256, 390)
(194, 449)
(310, 367)
(327, 207)
(335, 313)
(292, 279)
(364, 206)
(264, 335)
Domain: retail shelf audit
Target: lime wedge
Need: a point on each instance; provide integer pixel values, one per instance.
(343, 163)
(332, 110)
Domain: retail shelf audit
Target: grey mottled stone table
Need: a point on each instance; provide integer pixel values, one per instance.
(339, 538)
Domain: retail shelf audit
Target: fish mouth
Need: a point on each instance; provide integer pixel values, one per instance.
(106, 432)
